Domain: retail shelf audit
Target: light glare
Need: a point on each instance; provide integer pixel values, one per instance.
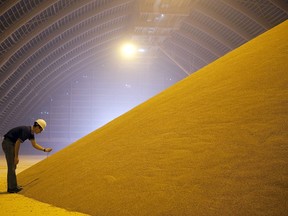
(128, 50)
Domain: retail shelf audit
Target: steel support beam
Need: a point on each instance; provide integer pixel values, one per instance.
(239, 7)
(222, 20)
(28, 16)
(7, 5)
(282, 5)
(41, 28)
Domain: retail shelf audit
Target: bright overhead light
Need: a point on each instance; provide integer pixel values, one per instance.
(128, 50)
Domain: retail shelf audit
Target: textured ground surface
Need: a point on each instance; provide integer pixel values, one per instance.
(216, 143)
(16, 204)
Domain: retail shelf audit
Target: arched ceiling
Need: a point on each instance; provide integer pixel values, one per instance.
(45, 43)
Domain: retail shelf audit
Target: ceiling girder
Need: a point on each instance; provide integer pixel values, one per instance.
(216, 35)
(55, 46)
(282, 5)
(28, 16)
(223, 21)
(239, 7)
(7, 5)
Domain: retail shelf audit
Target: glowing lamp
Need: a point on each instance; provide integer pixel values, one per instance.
(128, 50)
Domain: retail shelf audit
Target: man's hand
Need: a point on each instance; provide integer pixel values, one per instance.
(48, 149)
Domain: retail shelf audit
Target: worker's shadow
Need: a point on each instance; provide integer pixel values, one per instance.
(28, 184)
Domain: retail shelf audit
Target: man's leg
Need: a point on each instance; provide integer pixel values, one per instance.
(9, 151)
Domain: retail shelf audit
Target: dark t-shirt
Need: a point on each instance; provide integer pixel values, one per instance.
(22, 133)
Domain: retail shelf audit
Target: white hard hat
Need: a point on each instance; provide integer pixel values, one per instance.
(41, 122)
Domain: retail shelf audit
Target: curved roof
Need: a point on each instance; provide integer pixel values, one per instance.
(45, 43)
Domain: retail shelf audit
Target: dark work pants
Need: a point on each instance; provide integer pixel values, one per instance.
(9, 150)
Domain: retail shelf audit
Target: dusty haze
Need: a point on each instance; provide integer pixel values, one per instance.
(213, 144)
